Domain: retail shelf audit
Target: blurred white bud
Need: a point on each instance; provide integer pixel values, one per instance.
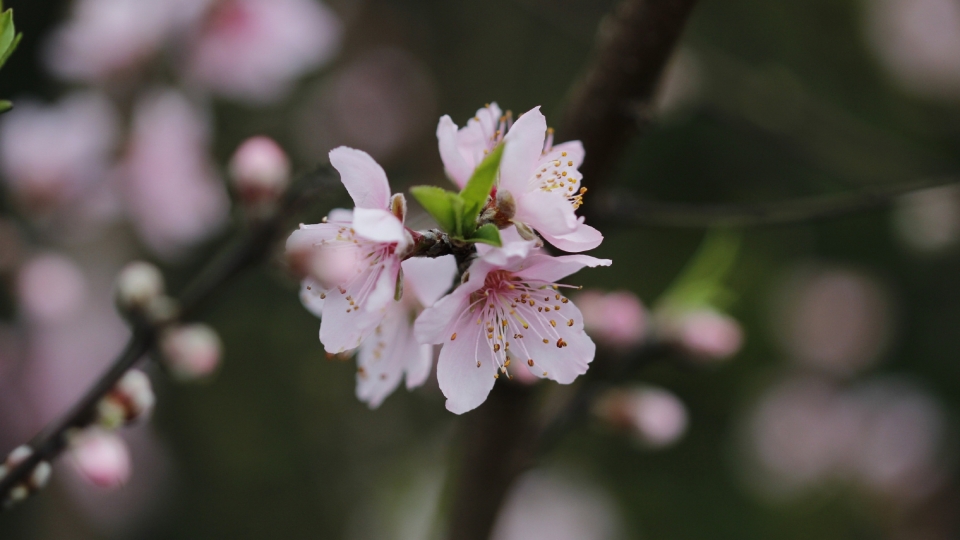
(656, 418)
(37, 480)
(616, 319)
(102, 458)
(929, 220)
(191, 351)
(130, 400)
(709, 335)
(138, 284)
(14, 458)
(260, 172)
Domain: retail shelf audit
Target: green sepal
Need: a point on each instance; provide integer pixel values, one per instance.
(478, 188)
(446, 207)
(488, 234)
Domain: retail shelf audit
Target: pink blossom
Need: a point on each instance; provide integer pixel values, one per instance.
(508, 307)
(260, 171)
(539, 186)
(366, 246)
(616, 319)
(192, 351)
(656, 417)
(52, 154)
(709, 335)
(391, 351)
(50, 288)
(173, 193)
(253, 50)
(102, 458)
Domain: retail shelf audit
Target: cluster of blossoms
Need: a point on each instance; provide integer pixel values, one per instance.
(380, 290)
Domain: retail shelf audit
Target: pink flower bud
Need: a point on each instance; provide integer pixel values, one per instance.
(656, 417)
(617, 319)
(709, 335)
(130, 400)
(191, 351)
(260, 171)
(138, 284)
(102, 458)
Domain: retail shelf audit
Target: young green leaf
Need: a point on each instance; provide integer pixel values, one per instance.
(478, 188)
(7, 31)
(488, 234)
(5, 106)
(13, 46)
(439, 203)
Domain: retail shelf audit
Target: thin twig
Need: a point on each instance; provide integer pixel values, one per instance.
(249, 249)
(618, 208)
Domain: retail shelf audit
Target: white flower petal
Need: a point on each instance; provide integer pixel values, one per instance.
(584, 238)
(542, 267)
(454, 163)
(524, 144)
(379, 225)
(464, 384)
(429, 279)
(364, 179)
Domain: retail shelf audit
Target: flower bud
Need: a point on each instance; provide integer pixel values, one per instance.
(617, 319)
(102, 458)
(655, 417)
(130, 400)
(709, 335)
(260, 171)
(137, 286)
(191, 351)
(37, 480)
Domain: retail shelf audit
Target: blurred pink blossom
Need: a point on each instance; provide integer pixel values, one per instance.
(616, 319)
(381, 102)
(51, 154)
(656, 417)
(917, 42)
(260, 171)
(835, 320)
(192, 351)
(884, 436)
(253, 50)
(550, 505)
(102, 458)
(50, 288)
(709, 335)
(173, 193)
(105, 37)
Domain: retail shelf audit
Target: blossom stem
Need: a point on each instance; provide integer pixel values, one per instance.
(249, 249)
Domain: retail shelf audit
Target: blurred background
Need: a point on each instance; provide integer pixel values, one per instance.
(820, 396)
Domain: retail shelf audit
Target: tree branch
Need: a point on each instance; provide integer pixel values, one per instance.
(634, 44)
(624, 209)
(248, 250)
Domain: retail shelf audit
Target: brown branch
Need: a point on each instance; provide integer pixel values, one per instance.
(248, 250)
(500, 440)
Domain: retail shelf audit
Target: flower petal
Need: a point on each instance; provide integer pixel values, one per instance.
(385, 355)
(542, 267)
(524, 144)
(433, 324)
(429, 279)
(562, 364)
(464, 383)
(364, 179)
(549, 212)
(419, 365)
(385, 287)
(574, 150)
(310, 292)
(454, 164)
(584, 238)
(342, 330)
(379, 225)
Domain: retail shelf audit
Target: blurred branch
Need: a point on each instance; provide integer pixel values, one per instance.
(500, 439)
(623, 209)
(249, 249)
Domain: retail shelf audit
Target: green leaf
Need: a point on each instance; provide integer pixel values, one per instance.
(488, 234)
(478, 188)
(13, 46)
(441, 204)
(702, 282)
(7, 31)
(5, 106)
